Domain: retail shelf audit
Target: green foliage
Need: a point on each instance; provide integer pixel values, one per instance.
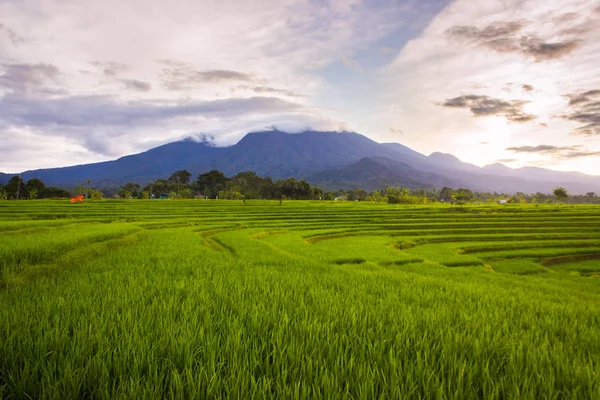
(96, 194)
(130, 189)
(35, 184)
(560, 193)
(180, 179)
(33, 194)
(15, 188)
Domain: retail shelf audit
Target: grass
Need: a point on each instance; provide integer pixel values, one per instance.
(217, 299)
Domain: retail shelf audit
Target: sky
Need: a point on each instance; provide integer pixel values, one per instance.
(510, 81)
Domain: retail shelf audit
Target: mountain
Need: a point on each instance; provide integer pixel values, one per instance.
(281, 155)
(330, 159)
(159, 162)
(446, 160)
(378, 172)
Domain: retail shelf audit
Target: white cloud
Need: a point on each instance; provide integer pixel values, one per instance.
(490, 57)
(154, 70)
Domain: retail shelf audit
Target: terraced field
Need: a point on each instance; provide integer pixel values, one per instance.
(220, 299)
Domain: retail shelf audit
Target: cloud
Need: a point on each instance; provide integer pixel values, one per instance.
(269, 90)
(484, 143)
(543, 51)
(558, 152)
(585, 109)
(482, 106)
(506, 160)
(396, 131)
(350, 63)
(527, 88)
(13, 36)
(134, 84)
(542, 148)
(20, 78)
(111, 68)
(86, 111)
(508, 37)
(181, 76)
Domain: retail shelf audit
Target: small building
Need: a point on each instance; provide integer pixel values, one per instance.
(340, 198)
(502, 201)
(77, 199)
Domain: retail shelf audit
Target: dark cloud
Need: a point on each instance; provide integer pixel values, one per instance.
(557, 152)
(527, 88)
(482, 106)
(22, 78)
(396, 131)
(106, 111)
(13, 36)
(585, 109)
(543, 51)
(181, 76)
(111, 68)
(134, 84)
(496, 30)
(507, 37)
(542, 148)
(578, 154)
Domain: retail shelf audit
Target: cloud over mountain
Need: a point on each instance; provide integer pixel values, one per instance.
(482, 106)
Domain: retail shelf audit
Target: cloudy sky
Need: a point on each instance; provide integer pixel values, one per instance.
(512, 81)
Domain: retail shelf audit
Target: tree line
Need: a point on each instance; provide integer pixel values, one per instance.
(34, 188)
(215, 185)
(248, 185)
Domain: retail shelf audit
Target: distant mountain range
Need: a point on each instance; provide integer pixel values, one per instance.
(331, 160)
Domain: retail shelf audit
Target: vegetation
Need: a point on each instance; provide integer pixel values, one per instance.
(560, 193)
(311, 299)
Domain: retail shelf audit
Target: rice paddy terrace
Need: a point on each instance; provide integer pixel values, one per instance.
(220, 299)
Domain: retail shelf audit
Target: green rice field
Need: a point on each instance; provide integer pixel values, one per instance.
(206, 299)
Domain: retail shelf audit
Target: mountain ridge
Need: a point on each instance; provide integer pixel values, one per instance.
(332, 159)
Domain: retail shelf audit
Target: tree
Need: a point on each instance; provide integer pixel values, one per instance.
(360, 194)
(35, 183)
(211, 183)
(95, 194)
(463, 195)
(560, 193)
(129, 189)
(16, 187)
(50, 192)
(446, 194)
(33, 194)
(179, 178)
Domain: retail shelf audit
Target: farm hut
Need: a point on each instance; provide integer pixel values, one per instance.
(502, 201)
(340, 198)
(77, 199)
(164, 196)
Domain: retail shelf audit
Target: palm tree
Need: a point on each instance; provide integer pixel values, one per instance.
(560, 193)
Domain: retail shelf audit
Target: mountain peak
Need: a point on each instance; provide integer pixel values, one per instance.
(444, 156)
